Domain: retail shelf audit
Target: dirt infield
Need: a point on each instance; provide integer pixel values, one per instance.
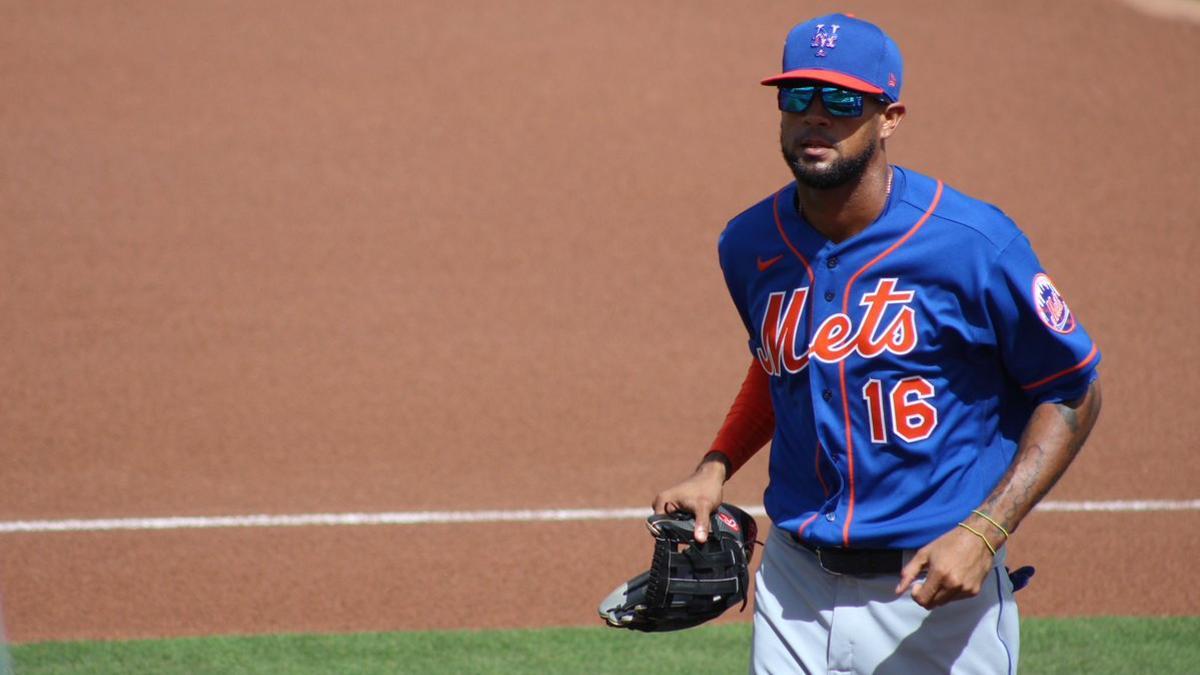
(278, 257)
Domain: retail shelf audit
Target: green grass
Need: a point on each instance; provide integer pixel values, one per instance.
(1116, 645)
(1094, 646)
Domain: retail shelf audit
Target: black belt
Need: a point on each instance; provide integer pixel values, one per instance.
(855, 561)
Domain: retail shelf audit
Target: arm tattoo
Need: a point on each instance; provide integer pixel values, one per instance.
(1053, 437)
(1018, 491)
(1027, 492)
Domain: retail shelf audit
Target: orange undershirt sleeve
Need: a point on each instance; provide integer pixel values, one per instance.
(750, 423)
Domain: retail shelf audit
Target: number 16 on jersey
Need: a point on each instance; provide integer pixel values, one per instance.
(913, 418)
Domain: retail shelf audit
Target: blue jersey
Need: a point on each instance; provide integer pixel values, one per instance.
(904, 362)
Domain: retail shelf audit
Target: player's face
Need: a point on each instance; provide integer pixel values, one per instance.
(824, 151)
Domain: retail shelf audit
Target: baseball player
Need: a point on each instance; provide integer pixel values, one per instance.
(921, 379)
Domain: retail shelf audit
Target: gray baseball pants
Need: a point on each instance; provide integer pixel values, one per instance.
(807, 620)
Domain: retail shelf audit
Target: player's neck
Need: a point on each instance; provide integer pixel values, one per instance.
(842, 212)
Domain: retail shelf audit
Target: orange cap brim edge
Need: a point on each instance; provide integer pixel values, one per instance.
(830, 76)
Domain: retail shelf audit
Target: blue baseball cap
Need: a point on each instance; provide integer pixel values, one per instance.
(842, 50)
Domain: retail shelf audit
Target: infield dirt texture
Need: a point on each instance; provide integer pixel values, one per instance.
(321, 257)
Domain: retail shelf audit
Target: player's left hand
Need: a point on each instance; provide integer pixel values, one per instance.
(955, 565)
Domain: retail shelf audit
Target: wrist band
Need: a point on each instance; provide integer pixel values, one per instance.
(979, 534)
(988, 518)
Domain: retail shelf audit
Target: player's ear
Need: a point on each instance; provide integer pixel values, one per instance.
(891, 115)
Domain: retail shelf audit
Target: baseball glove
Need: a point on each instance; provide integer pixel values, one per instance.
(688, 583)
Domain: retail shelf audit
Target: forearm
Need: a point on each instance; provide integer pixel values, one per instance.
(749, 425)
(956, 562)
(1051, 440)
(747, 428)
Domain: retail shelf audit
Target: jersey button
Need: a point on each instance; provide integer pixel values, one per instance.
(827, 394)
(832, 262)
(828, 296)
(831, 516)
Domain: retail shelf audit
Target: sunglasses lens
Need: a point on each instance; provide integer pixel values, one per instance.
(841, 102)
(796, 99)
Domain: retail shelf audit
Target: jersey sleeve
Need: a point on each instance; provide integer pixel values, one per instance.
(750, 423)
(1043, 346)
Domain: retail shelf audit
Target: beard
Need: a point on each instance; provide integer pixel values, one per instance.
(842, 171)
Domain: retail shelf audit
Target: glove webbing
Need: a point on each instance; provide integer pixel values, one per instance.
(694, 576)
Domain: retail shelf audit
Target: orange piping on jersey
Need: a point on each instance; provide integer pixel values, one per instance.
(937, 197)
(805, 524)
(1082, 364)
(779, 226)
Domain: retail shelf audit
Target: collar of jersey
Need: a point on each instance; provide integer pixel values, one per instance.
(811, 240)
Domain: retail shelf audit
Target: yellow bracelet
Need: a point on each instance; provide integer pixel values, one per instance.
(979, 534)
(988, 518)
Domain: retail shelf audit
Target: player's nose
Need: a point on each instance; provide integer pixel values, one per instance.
(815, 115)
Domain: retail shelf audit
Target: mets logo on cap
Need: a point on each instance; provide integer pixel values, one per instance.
(822, 39)
(1050, 305)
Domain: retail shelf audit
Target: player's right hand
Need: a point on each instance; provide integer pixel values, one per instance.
(700, 494)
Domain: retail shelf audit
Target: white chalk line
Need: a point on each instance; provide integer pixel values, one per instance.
(452, 517)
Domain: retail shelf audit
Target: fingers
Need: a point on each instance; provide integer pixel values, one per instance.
(703, 513)
(955, 566)
(670, 501)
(937, 588)
(925, 591)
(928, 591)
(940, 588)
(699, 495)
(700, 507)
(912, 570)
(934, 594)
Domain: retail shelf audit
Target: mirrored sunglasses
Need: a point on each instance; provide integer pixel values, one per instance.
(838, 101)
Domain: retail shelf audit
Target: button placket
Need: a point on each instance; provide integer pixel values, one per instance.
(826, 270)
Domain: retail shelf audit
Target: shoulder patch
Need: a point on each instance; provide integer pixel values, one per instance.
(1050, 305)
